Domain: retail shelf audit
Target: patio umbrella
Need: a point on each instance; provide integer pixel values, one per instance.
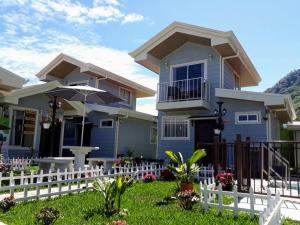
(84, 94)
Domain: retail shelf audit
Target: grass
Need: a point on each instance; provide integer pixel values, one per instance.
(291, 222)
(141, 200)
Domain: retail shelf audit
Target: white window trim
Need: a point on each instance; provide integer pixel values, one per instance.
(175, 138)
(12, 108)
(237, 114)
(236, 75)
(152, 143)
(112, 123)
(131, 97)
(204, 61)
(83, 82)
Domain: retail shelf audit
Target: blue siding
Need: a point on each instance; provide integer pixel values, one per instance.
(104, 138)
(228, 77)
(134, 135)
(257, 132)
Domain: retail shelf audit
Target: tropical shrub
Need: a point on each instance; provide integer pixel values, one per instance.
(112, 191)
(226, 180)
(7, 203)
(186, 171)
(167, 175)
(47, 216)
(187, 199)
(149, 177)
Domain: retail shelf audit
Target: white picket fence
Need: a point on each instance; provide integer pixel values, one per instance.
(17, 163)
(37, 186)
(269, 215)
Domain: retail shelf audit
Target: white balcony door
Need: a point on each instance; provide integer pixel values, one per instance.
(188, 78)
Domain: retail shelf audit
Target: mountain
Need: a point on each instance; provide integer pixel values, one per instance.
(290, 84)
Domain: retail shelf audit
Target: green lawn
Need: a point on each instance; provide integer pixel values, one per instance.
(141, 201)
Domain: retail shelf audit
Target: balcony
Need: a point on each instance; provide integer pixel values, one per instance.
(183, 94)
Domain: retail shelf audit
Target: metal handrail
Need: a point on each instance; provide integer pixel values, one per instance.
(186, 89)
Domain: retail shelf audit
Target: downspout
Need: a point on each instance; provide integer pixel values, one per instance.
(117, 133)
(98, 79)
(222, 66)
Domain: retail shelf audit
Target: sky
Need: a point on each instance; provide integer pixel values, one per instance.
(33, 32)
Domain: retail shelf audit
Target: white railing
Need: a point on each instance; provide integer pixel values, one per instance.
(270, 214)
(181, 90)
(37, 186)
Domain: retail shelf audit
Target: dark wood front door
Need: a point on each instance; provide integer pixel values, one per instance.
(204, 138)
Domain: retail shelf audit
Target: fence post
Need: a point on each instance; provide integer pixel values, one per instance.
(220, 198)
(236, 198)
(205, 197)
(252, 202)
(238, 159)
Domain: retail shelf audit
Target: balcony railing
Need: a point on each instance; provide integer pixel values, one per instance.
(183, 90)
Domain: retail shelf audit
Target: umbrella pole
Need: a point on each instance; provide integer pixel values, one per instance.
(83, 121)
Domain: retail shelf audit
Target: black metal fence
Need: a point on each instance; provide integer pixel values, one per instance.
(273, 164)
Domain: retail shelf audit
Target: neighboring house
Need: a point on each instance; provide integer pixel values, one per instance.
(114, 128)
(197, 68)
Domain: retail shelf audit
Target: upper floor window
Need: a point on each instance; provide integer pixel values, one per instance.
(247, 117)
(79, 83)
(175, 128)
(189, 70)
(126, 95)
(237, 85)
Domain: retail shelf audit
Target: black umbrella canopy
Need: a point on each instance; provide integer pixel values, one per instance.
(84, 94)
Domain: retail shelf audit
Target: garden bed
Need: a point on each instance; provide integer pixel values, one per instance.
(141, 200)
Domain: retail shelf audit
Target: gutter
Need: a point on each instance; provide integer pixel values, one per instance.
(222, 66)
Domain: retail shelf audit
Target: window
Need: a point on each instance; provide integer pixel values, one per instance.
(79, 83)
(106, 123)
(237, 82)
(125, 94)
(23, 128)
(188, 71)
(247, 117)
(175, 128)
(153, 135)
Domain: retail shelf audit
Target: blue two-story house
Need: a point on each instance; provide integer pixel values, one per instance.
(117, 129)
(197, 68)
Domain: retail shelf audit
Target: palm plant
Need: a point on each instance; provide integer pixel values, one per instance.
(186, 171)
(112, 191)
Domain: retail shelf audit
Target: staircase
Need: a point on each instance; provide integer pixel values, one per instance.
(275, 166)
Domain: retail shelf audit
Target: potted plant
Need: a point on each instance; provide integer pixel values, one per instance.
(186, 171)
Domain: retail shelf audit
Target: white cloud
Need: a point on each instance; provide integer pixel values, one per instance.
(132, 17)
(27, 45)
(149, 108)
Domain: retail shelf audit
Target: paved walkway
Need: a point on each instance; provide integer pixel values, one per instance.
(289, 209)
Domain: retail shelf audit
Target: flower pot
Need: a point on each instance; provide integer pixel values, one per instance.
(186, 186)
(46, 125)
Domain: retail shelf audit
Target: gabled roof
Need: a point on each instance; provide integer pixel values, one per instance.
(176, 34)
(281, 104)
(9, 80)
(63, 64)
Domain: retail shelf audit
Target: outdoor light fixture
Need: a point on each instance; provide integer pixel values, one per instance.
(220, 123)
(52, 103)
